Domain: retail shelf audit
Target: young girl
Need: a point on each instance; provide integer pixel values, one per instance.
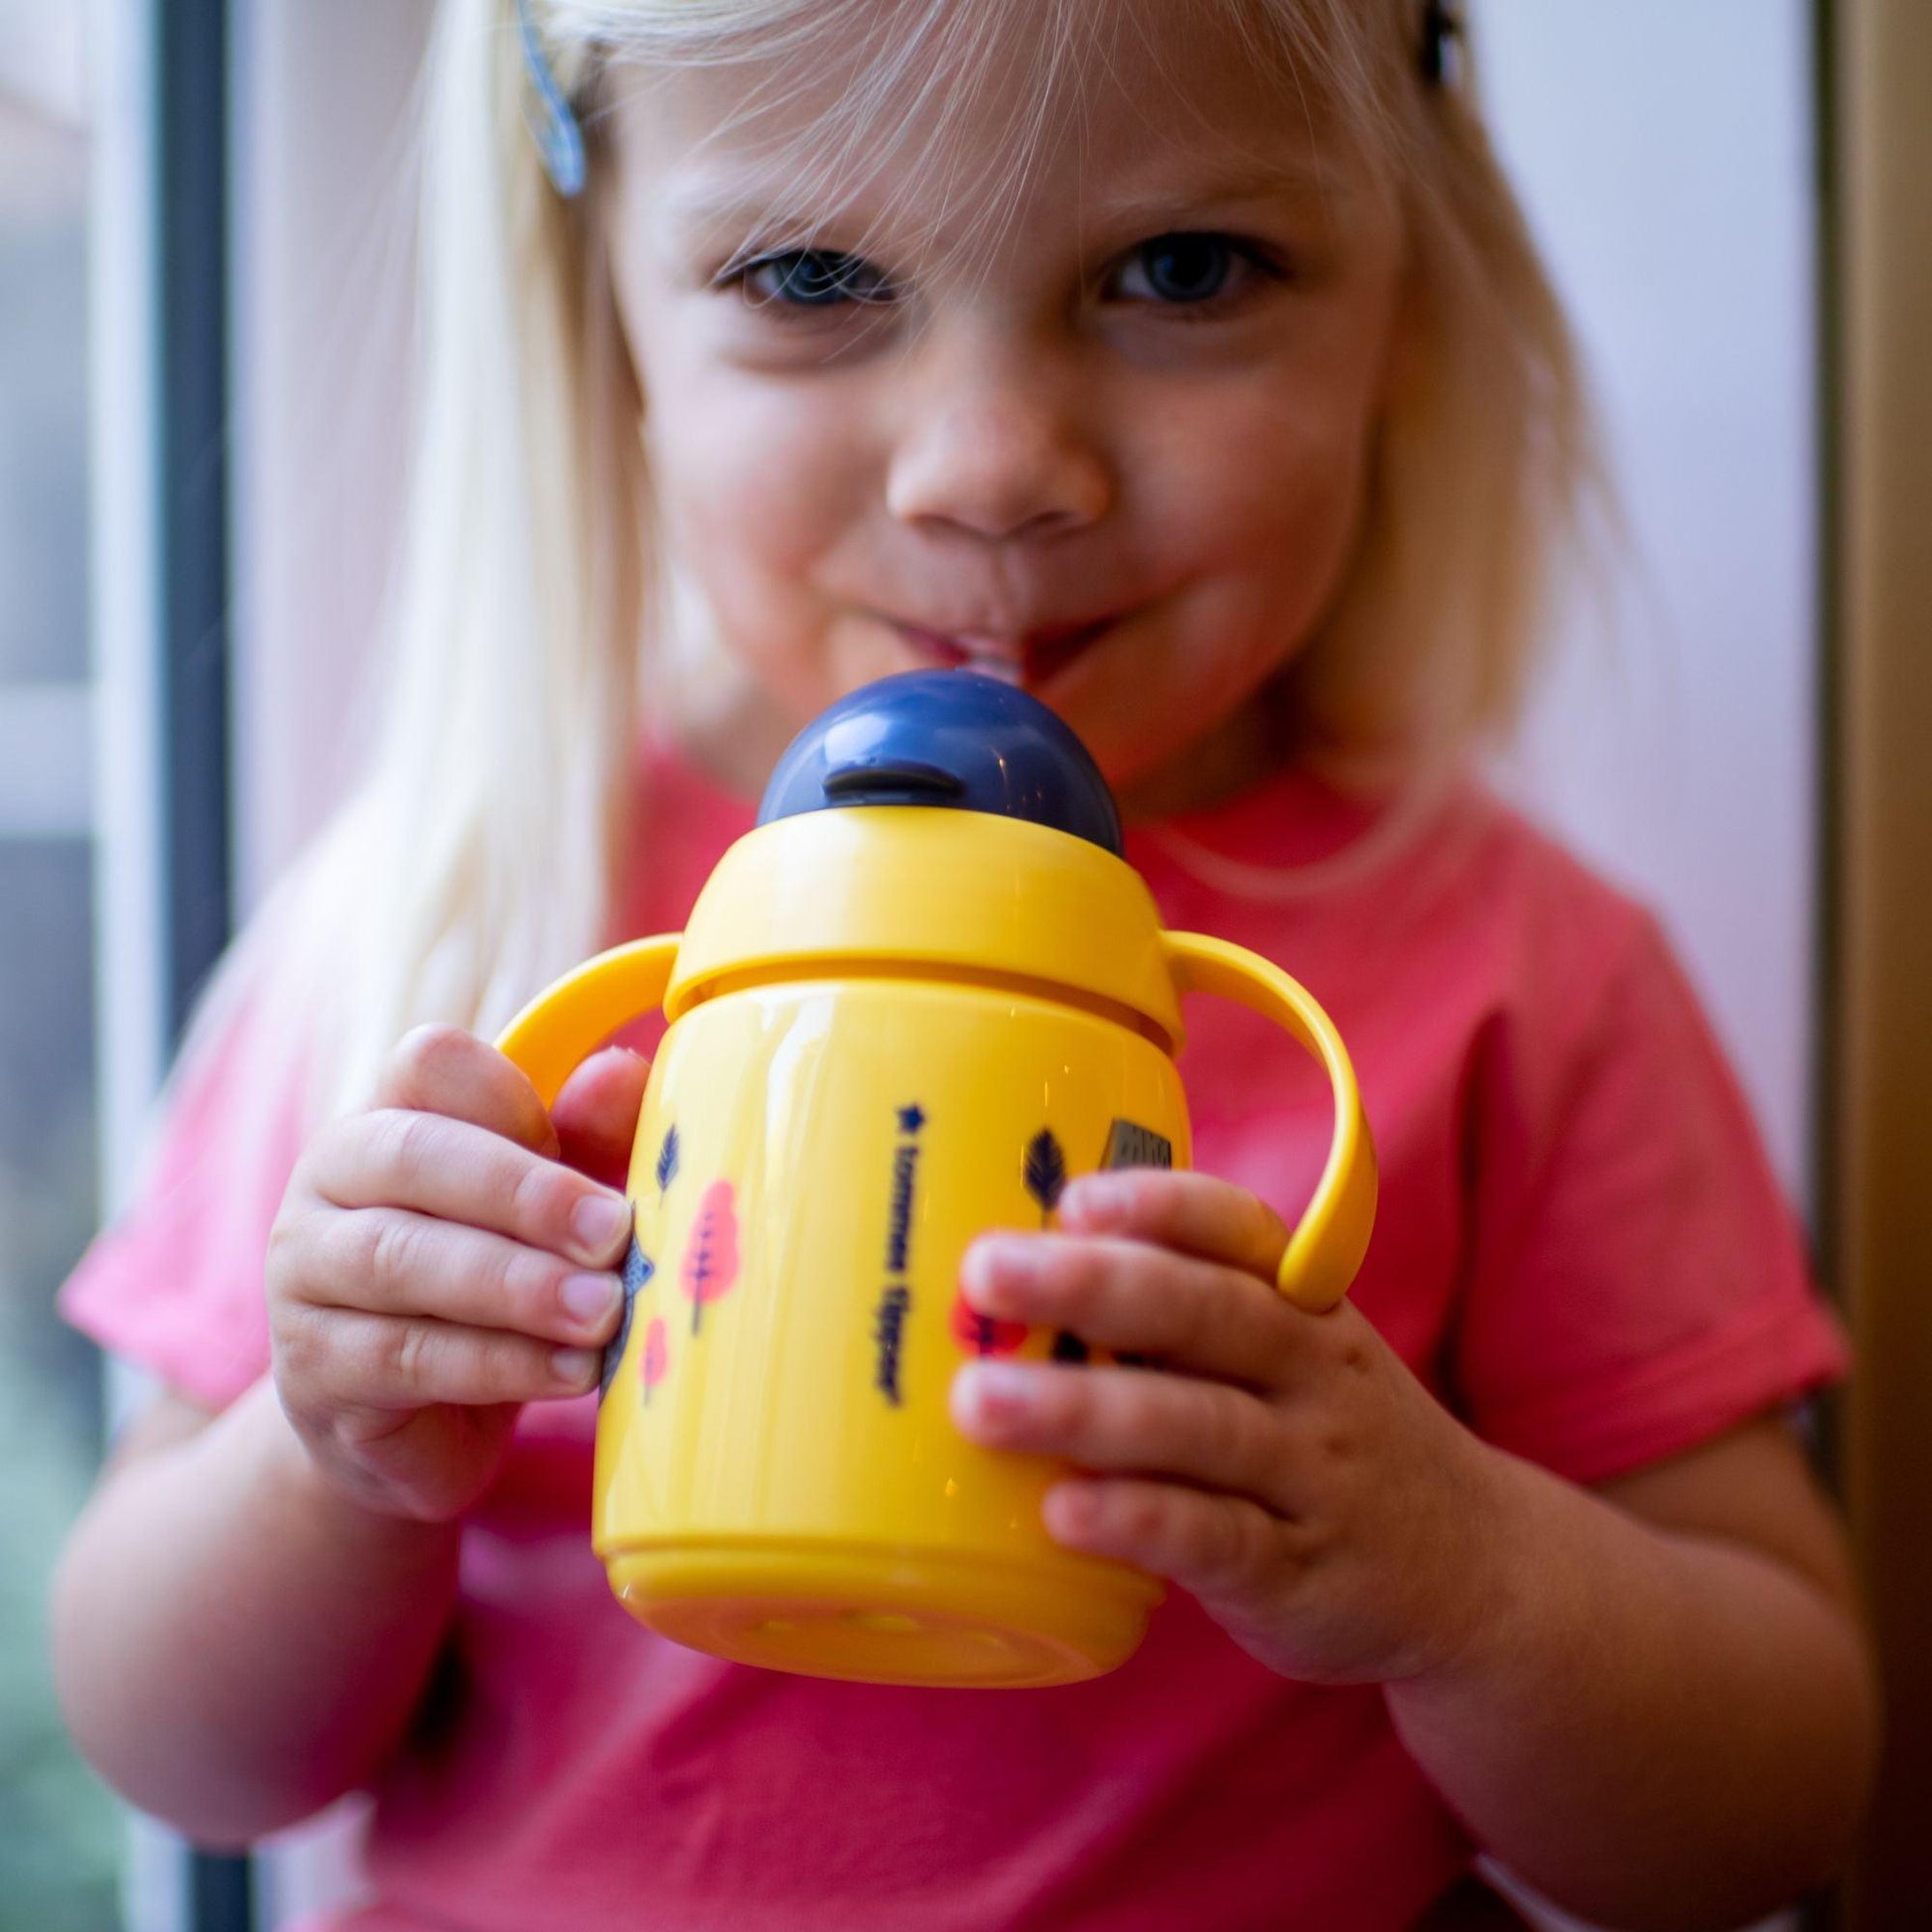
(1185, 362)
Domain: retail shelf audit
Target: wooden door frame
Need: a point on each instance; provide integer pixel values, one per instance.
(1876, 1089)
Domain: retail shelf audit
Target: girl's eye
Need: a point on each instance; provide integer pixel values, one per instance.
(812, 278)
(1184, 269)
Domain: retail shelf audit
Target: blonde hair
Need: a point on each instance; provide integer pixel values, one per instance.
(480, 855)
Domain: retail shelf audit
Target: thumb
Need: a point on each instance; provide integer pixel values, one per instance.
(596, 1114)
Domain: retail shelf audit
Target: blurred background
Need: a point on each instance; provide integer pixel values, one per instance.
(60, 1837)
(204, 257)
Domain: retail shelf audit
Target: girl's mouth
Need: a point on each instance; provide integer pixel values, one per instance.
(1030, 659)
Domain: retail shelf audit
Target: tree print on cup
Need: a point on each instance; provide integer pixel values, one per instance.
(710, 1264)
(1046, 1175)
(1045, 1172)
(984, 1335)
(656, 1357)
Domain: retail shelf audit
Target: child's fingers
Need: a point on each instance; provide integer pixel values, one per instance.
(1128, 1419)
(458, 1172)
(596, 1113)
(1127, 1296)
(1193, 1213)
(388, 1261)
(1214, 1546)
(441, 1069)
(346, 1358)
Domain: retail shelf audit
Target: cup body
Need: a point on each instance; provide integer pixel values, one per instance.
(778, 1479)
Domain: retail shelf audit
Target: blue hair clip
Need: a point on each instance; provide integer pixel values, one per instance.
(560, 141)
(1442, 25)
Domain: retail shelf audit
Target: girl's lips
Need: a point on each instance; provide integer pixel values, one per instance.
(1029, 660)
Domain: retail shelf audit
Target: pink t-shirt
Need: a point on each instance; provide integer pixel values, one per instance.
(1579, 1249)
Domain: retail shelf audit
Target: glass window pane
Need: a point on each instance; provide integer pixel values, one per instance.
(61, 1831)
(43, 396)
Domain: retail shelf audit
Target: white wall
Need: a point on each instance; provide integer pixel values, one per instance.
(323, 245)
(1664, 151)
(323, 250)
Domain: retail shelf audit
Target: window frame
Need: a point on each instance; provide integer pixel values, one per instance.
(158, 292)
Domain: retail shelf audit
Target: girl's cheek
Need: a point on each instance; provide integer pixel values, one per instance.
(768, 483)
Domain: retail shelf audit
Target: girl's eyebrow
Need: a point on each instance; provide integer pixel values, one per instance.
(1266, 182)
(1300, 180)
(705, 208)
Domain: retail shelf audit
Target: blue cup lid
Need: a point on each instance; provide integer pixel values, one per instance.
(954, 739)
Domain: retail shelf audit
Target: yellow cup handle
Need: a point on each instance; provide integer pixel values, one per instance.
(1326, 1249)
(568, 1021)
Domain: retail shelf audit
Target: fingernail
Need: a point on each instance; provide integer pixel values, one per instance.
(994, 1261)
(591, 1296)
(1101, 1194)
(598, 1221)
(995, 1390)
(573, 1364)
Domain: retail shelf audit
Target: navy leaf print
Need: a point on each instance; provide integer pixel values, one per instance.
(639, 1267)
(1045, 1171)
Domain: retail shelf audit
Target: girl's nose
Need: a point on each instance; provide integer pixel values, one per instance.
(999, 462)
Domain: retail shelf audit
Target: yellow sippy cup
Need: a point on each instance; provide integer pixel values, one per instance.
(922, 994)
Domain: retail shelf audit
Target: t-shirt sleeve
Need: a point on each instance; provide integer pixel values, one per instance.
(175, 1282)
(1638, 1284)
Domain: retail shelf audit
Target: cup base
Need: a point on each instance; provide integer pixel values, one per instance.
(887, 1615)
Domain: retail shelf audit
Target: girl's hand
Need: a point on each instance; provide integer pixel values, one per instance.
(436, 1264)
(1286, 1468)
